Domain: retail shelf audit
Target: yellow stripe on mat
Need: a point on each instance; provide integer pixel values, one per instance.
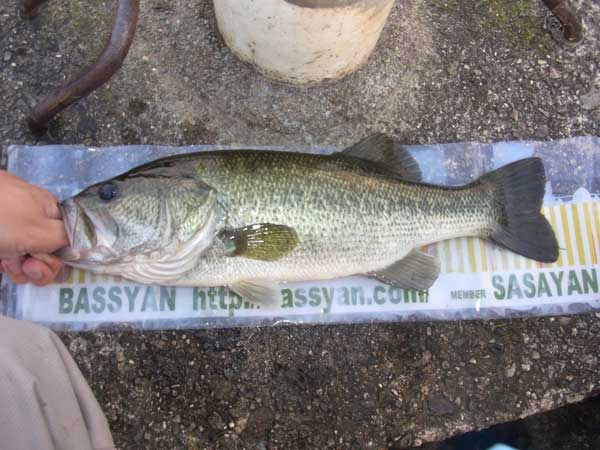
(69, 279)
(459, 252)
(597, 223)
(471, 253)
(559, 262)
(578, 233)
(590, 233)
(483, 251)
(567, 234)
(448, 256)
(504, 256)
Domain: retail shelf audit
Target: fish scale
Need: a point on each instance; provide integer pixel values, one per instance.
(349, 218)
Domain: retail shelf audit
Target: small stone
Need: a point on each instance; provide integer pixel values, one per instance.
(554, 74)
(7, 56)
(478, 72)
(542, 132)
(406, 440)
(445, 365)
(565, 321)
(426, 357)
(453, 69)
(216, 421)
(591, 100)
(440, 405)
(535, 355)
(510, 372)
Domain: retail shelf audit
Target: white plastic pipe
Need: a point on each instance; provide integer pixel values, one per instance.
(302, 41)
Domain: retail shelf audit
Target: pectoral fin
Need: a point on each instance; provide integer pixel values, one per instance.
(417, 270)
(263, 241)
(260, 292)
(382, 150)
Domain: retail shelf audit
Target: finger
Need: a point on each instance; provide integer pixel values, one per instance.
(14, 265)
(52, 209)
(14, 270)
(54, 263)
(52, 236)
(38, 272)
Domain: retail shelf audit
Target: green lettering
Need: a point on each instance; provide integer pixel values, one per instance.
(235, 298)
(131, 296)
(543, 286)
(300, 295)
(235, 302)
(379, 294)
(221, 293)
(557, 278)
(395, 294)
(328, 294)
(529, 290)
(499, 290)
(590, 281)
(358, 296)
(150, 300)
(198, 299)
(574, 285)
(98, 295)
(167, 298)
(514, 290)
(288, 298)
(83, 302)
(65, 300)
(315, 296)
(413, 296)
(114, 297)
(212, 300)
(344, 299)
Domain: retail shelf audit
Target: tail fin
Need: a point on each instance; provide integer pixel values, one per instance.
(522, 228)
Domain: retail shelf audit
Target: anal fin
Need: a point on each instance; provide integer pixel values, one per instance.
(264, 293)
(417, 270)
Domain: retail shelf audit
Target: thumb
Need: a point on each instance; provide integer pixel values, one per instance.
(52, 236)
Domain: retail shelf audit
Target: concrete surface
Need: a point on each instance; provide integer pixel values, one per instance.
(445, 70)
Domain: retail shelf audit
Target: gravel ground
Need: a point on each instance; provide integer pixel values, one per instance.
(445, 70)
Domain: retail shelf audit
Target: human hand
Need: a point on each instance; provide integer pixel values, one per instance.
(30, 230)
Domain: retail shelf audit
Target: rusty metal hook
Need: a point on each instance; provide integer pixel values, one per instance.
(572, 27)
(109, 62)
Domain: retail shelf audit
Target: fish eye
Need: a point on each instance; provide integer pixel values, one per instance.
(108, 192)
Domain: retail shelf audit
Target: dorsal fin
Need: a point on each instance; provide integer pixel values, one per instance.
(381, 149)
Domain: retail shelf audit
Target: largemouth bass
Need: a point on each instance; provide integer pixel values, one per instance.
(251, 219)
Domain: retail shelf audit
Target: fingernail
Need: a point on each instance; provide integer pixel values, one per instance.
(34, 275)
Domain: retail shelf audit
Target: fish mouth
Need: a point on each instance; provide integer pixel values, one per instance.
(83, 232)
(68, 210)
